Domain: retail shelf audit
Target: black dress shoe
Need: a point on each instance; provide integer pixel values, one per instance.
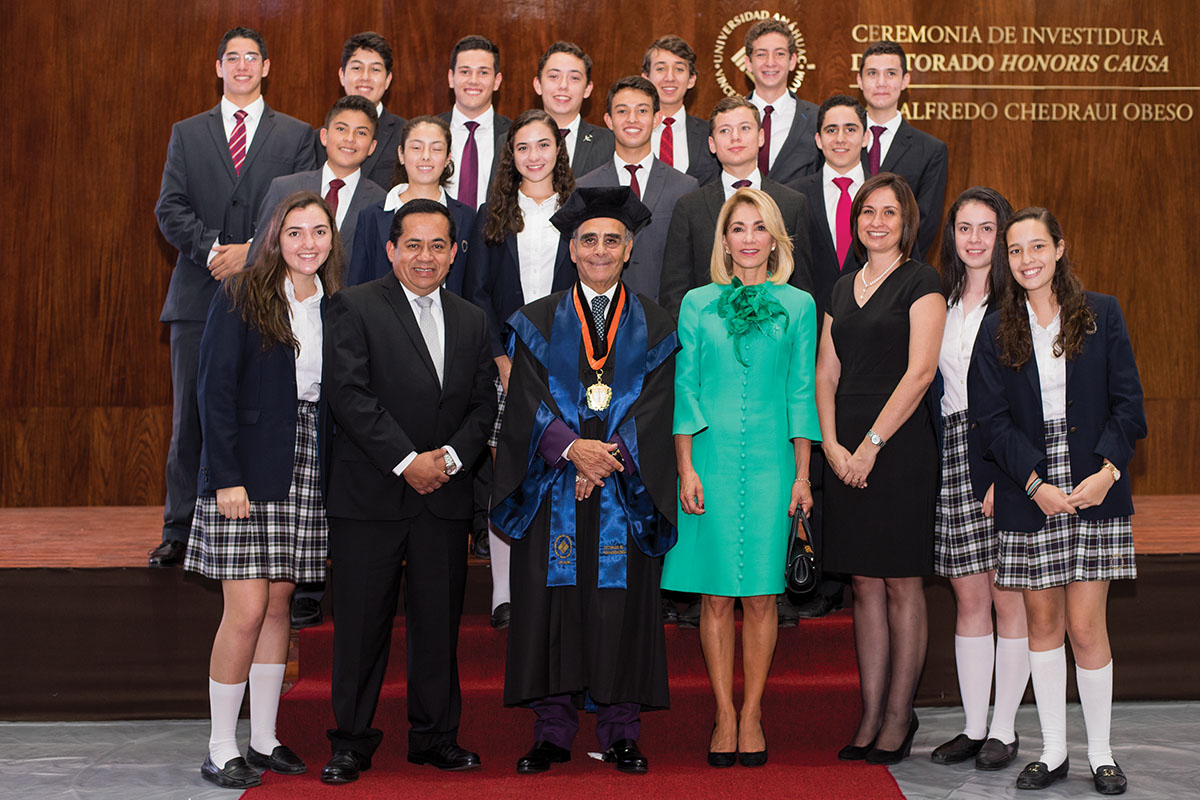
(789, 617)
(854, 752)
(690, 616)
(1109, 779)
(628, 758)
(282, 761)
(1037, 775)
(168, 554)
(670, 612)
(501, 616)
(541, 756)
(481, 546)
(448, 756)
(957, 750)
(306, 612)
(877, 756)
(344, 767)
(236, 774)
(720, 758)
(819, 606)
(995, 754)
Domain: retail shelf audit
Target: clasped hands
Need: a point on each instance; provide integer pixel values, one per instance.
(427, 471)
(1090, 492)
(594, 461)
(851, 469)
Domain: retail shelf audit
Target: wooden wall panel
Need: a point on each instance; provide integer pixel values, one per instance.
(84, 369)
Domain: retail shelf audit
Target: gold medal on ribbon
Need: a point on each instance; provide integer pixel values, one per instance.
(599, 394)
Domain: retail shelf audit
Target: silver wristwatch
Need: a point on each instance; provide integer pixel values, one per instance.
(450, 468)
(875, 439)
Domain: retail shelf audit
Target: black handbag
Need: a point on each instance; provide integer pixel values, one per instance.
(802, 572)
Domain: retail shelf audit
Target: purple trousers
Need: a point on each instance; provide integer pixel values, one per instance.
(558, 721)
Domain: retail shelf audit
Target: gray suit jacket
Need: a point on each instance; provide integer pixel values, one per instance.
(664, 187)
(380, 165)
(203, 201)
(799, 155)
(702, 164)
(593, 149)
(366, 194)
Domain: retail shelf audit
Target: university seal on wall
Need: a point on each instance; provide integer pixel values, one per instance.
(729, 62)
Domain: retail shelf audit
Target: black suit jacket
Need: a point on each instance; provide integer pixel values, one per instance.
(592, 149)
(383, 392)
(702, 164)
(799, 155)
(500, 127)
(693, 229)
(825, 267)
(203, 201)
(380, 165)
(921, 160)
(370, 259)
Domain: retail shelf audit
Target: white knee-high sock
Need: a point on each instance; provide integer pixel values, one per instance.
(265, 682)
(1095, 695)
(500, 556)
(1012, 675)
(1049, 671)
(973, 655)
(224, 703)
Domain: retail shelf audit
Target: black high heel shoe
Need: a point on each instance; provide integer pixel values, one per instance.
(877, 756)
(854, 752)
(758, 757)
(720, 759)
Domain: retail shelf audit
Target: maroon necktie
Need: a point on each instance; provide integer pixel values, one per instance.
(764, 152)
(842, 219)
(468, 181)
(237, 141)
(873, 154)
(633, 181)
(331, 197)
(742, 184)
(666, 145)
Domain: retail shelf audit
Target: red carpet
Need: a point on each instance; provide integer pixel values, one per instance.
(809, 712)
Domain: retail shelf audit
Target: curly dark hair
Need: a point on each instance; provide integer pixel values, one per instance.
(954, 272)
(503, 212)
(1076, 319)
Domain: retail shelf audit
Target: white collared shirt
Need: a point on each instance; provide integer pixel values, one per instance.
(305, 316)
(833, 194)
(958, 342)
(888, 136)
(254, 115)
(783, 111)
(485, 147)
(392, 201)
(537, 246)
(643, 174)
(572, 138)
(344, 194)
(727, 181)
(1052, 369)
(679, 149)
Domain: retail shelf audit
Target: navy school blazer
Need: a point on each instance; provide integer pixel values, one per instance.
(247, 400)
(1105, 416)
(369, 260)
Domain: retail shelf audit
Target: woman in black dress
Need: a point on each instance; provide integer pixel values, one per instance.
(878, 355)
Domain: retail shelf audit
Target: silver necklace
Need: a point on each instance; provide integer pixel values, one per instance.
(862, 295)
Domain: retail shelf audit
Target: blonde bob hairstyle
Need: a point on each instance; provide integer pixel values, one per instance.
(779, 264)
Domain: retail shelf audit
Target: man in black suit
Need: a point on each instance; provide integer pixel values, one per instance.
(476, 130)
(679, 140)
(564, 81)
(788, 123)
(408, 375)
(219, 165)
(735, 138)
(367, 70)
(898, 147)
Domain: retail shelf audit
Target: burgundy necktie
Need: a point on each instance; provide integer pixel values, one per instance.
(331, 197)
(468, 180)
(842, 219)
(877, 132)
(633, 181)
(237, 141)
(742, 184)
(764, 152)
(666, 145)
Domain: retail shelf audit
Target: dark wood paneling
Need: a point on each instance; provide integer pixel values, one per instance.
(84, 372)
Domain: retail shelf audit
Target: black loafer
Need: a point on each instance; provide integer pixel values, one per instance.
(789, 616)
(306, 613)
(541, 756)
(690, 616)
(168, 554)
(957, 750)
(446, 756)
(628, 758)
(282, 761)
(1037, 775)
(501, 616)
(995, 754)
(1109, 779)
(345, 767)
(236, 774)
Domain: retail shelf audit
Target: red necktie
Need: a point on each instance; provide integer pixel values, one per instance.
(237, 141)
(633, 181)
(842, 219)
(468, 179)
(764, 152)
(873, 154)
(331, 197)
(666, 145)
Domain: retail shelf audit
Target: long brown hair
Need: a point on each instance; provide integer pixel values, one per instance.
(400, 172)
(1076, 320)
(258, 290)
(503, 212)
(954, 271)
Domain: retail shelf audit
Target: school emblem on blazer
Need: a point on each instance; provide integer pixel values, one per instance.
(730, 63)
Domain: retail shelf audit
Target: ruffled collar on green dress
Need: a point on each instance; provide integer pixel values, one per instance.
(747, 309)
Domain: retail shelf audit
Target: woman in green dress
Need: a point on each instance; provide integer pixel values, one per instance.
(743, 389)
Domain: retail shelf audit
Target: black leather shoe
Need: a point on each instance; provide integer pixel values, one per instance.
(690, 616)
(720, 758)
(236, 774)
(628, 758)
(282, 761)
(481, 546)
(448, 756)
(1109, 779)
(957, 750)
(306, 612)
(501, 616)
(344, 767)
(877, 756)
(670, 612)
(819, 606)
(995, 754)
(1037, 775)
(168, 554)
(541, 756)
(788, 614)
(854, 752)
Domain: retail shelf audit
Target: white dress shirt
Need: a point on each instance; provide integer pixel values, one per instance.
(643, 174)
(1052, 369)
(728, 180)
(887, 137)
(254, 114)
(783, 111)
(344, 194)
(485, 147)
(572, 138)
(958, 341)
(392, 201)
(305, 316)
(537, 246)
(833, 194)
(679, 150)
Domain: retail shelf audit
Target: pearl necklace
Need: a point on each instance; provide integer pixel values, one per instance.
(862, 295)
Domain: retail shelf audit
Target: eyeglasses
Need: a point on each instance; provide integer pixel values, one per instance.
(232, 59)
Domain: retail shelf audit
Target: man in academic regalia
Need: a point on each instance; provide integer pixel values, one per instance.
(585, 487)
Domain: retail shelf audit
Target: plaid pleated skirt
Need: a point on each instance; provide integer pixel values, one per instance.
(501, 399)
(964, 540)
(281, 540)
(1067, 549)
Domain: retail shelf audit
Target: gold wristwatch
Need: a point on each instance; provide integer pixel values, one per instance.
(1112, 469)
